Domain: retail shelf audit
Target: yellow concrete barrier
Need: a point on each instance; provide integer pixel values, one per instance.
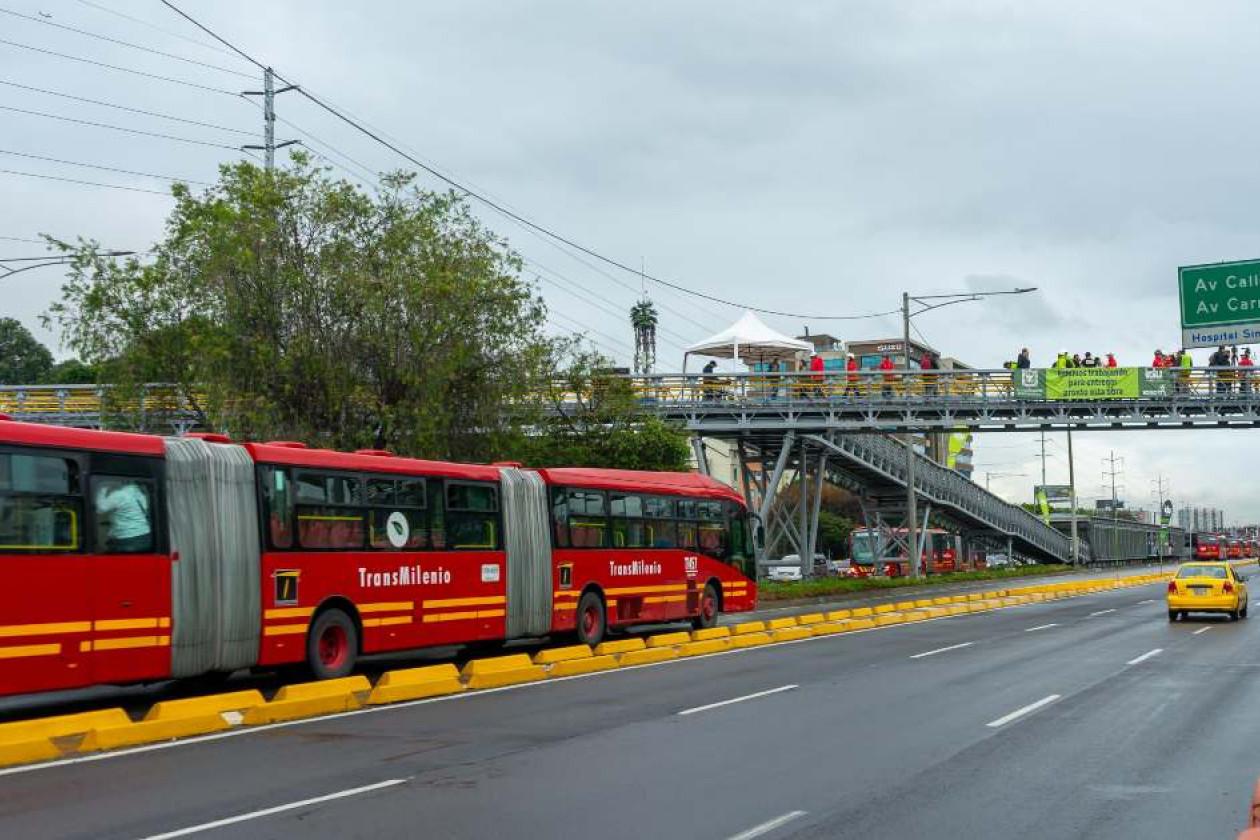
(499, 671)
(647, 656)
(936, 612)
(745, 640)
(839, 615)
(828, 628)
(941, 602)
(589, 665)
(704, 646)
(923, 602)
(710, 633)
(974, 596)
(748, 627)
(902, 606)
(358, 684)
(668, 640)
(560, 654)
(60, 726)
(889, 618)
(861, 623)
(881, 609)
(790, 634)
(810, 618)
(957, 609)
(151, 731)
(212, 704)
(916, 615)
(861, 612)
(27, 752)
(417, 684)
(780, 623)
(619, 646)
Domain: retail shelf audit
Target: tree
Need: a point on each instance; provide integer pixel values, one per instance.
(589, 417)
(23, 360)
(70, 372)
(289, 304)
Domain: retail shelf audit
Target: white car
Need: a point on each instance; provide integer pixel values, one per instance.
(783, 573)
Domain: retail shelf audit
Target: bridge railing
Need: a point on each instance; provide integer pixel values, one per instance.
(963, 385)
(89, 400)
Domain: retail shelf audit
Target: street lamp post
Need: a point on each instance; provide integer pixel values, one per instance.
(912, 511)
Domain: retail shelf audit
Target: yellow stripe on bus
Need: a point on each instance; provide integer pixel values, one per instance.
(45, 629)
(635, 590)
(127, 642)
(284, 629)
(388, 606)
(289, 612)
(387, 621)
(664, 599)
(126, 624)
(460, 616)
(29, 650)
(466, 602)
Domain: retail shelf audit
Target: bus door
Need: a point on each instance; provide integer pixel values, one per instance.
(130, 571)
(47, 612)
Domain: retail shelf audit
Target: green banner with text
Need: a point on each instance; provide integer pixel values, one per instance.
(1093, 383)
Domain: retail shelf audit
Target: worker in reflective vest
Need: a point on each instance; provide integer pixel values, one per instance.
(851, 376)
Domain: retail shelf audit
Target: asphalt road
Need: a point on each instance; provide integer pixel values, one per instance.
(1053, 720)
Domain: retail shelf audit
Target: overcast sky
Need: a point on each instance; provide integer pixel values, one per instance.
(810, 157)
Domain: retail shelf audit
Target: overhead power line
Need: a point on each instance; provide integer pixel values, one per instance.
(104, 168)
(102, 8)
(80, 181)
(119, 128)
(500, 207)
(142, 48)
(127, 108)
(130, 70)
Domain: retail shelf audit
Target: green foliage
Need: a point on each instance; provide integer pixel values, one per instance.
(71, 372)
(783, 591)
(596, 421)
(294, 305)
(833, 533)
(23, 360)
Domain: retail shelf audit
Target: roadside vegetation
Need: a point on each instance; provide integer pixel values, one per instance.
(791, 590)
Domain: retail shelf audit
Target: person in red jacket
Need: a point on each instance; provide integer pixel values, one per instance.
(1158, 361)
(816, 368)
(886, 365)
(1245, 361)
(1111, 360)
(851, 375)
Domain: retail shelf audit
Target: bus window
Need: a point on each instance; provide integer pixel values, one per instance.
(123, 512)
(712, 532)
(741, 546)
(397, 517)
(40, 505)
(628, 529)
(560, 517)
(662, 531)
(277, 505)
(329, 511)
(472, 511)
(588, 525)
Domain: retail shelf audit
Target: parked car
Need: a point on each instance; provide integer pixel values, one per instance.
(783, 573)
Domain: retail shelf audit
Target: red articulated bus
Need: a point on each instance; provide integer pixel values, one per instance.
(941, 553)
(132, 558)
(1206, 546)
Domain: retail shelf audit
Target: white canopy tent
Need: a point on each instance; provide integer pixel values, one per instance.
(750, 341)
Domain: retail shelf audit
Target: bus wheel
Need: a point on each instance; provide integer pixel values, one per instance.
(332, 645)
(708, 609)
(591, 622)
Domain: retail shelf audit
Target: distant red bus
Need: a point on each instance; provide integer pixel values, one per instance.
(1206, 546)
(941, 553)
(131, 558)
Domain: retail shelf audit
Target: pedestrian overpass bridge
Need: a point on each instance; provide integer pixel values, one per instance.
(803, 430)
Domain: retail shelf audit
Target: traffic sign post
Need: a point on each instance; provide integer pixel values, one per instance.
(1220, 303)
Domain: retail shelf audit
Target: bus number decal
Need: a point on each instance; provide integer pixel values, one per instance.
(286, 585)
(692, 564)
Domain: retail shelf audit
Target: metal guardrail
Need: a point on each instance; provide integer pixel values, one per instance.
(938, 400)
(967, 502)
(91, 405)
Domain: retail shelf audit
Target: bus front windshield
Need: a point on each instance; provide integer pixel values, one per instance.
(864, 545)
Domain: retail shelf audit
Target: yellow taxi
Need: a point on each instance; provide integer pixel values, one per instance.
(1207, 587)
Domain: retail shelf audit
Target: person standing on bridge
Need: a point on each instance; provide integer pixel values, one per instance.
(1024, 361)
(1244, 375)
(886, 365)
(1158, 360)
(1219, 362)
(851, 375)
(1062, 361)
(1184, 363)
(1111, 360)
(816, 368)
